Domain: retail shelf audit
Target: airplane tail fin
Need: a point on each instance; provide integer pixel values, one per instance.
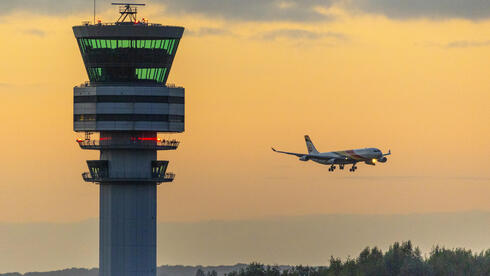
(309, 145)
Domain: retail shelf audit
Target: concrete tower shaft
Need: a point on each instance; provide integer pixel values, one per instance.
(128, 103)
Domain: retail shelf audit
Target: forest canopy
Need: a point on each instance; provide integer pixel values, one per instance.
(401, 259)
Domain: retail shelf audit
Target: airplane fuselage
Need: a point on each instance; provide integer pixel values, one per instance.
(370, 155)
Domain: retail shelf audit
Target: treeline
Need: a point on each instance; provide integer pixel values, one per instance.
(400, 260)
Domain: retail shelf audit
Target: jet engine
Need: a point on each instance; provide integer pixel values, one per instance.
(304, 158)
(382, 159)
(371, 162)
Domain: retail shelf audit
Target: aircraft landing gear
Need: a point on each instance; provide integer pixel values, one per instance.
(341, 166)
(353, 169)
(332, 168)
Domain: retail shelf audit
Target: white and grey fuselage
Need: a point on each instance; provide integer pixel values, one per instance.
(369, 156)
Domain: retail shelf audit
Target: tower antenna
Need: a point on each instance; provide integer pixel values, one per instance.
(127, 11)
(94, 10)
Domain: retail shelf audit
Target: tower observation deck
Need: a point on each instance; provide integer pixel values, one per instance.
(128, 102)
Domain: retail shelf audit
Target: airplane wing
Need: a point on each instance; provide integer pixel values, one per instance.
(290, 153)
(389, 153)
(309, 155)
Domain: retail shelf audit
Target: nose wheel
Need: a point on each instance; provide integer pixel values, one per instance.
(341, 167)
(332, 168)
(353, 169)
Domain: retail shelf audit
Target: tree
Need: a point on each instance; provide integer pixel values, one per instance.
(402, 259)
(200, 272)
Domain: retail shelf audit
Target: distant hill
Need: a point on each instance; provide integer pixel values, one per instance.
(64, 272)
(191, 270)
(167, 270)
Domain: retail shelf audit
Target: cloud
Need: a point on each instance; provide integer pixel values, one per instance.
(308, 10)
(295, 35)
(35, 32)
(275, 10)
(457, 44)
(240, 10)
(432, 9)
(253, 10)
(47, 7)
(467, 44)
(299, 34)
(4, 87)
(208, 31)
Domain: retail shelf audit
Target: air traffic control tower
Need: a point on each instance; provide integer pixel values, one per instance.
(128, 102)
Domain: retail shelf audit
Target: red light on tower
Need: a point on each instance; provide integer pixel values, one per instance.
(148, 138)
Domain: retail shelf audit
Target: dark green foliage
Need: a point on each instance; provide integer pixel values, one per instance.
(201, 272)
(401, 259)
(256, 269)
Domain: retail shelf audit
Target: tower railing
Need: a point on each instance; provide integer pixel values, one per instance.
(141, 23)
(130, 144)
(90, 84)
(87, 177)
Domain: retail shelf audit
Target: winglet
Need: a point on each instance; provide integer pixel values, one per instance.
(389, 153)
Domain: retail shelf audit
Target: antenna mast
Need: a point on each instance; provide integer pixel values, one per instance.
(94, 10)
(127, 11)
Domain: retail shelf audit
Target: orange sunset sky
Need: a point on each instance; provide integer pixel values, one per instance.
(350, 76)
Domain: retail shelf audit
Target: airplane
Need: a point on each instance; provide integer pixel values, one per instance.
(369, 156)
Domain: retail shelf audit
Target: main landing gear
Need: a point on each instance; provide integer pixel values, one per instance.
(341, 167)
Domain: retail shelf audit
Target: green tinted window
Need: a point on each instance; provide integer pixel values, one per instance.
(171, 48)
(95, 74)
(124, 44)
(154, 74)
(141, 60)
(87, 45)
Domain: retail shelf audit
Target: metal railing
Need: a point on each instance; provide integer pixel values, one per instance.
(92, 84)
(168, 177)
(137, 144)
(141, 23)
(87, 177)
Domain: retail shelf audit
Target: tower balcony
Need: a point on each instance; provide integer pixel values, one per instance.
(142, 144)
(99, 173)
(88, 177)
